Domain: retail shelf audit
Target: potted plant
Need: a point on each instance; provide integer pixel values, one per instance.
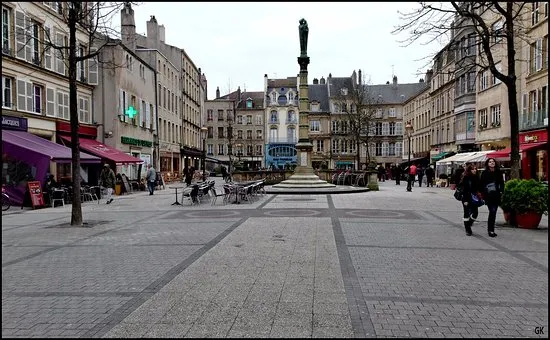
(506, 202)
(528, 199)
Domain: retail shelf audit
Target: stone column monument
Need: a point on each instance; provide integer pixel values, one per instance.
(304, 176)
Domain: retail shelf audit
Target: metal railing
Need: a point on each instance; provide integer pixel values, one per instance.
(533, 120)
(293, 140)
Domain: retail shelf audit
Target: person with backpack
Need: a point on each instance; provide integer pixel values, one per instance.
(470, 188)
(492, 185)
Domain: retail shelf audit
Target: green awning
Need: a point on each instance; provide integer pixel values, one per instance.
(441, 155)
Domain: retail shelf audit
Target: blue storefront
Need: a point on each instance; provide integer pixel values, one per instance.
(280, 155)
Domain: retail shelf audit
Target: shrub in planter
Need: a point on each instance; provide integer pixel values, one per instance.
(523, 197)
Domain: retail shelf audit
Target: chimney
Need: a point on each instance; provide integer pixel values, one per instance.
(429, 75)
(354, 78)
(153, 32)
(162, 32)
(238, 93)
(265, 82)
(394, 80)
(330, 75)
(218, 92)
(315, 81)
(322, 81)
(128, 26)
(360, 77)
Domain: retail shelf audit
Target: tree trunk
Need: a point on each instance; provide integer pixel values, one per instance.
(76, 215)
(512, 100)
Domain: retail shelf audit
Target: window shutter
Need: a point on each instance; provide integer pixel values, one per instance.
(47, 49)
(59, 60)
(20, 37)
(93, 69)
(147, 115)
(28, 41)
(30, 104)
(121, 104)
(385, 129)
(50, 102)
(21, 100)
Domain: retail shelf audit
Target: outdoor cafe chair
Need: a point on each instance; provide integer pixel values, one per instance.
(215, 196)
(58, 195)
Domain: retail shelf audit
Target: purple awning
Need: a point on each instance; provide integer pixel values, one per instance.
(55, 152)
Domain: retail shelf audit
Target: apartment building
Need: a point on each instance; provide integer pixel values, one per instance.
(281, 121)
(463, 38)
(418, 111)
(319, 124)
(533, 136)
(219, 122)
(446, 127)
(35, 90)
(180, 94)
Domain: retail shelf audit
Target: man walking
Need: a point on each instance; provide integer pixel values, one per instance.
(411, 176)
(107, 178)
(151, 177)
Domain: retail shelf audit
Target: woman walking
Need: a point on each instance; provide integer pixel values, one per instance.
(492, 185)
(470, 187)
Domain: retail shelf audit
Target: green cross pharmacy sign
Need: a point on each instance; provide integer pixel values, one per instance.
(131, 112)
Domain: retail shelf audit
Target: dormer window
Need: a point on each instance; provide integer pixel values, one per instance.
(314, 107)
(344, 91)
(249, 103)
(273, 97)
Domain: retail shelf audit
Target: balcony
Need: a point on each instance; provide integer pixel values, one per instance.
(273, 121)
(292, 140)
(533, 120)
(293, 120)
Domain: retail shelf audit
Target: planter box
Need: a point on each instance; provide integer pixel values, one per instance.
(528, 220)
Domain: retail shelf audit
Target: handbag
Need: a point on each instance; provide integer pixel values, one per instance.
(491, 188)
(458, 194)
(476, 201)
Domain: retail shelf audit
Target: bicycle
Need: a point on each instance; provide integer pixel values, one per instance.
(6, 200)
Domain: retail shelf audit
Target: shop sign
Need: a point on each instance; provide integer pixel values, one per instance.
(530, 139)
(136, 142)
(35, 191)
(14, 123)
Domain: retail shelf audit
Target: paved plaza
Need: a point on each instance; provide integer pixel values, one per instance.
(383, 263)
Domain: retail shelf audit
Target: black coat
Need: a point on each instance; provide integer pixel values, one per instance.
(470, 185)
(488, 177)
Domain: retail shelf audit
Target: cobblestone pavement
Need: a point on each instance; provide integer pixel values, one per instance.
(376, 264)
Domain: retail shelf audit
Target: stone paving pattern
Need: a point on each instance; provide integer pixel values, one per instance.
(373, 264)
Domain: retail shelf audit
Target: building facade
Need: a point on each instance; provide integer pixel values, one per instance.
(281, 121)
(319, 124)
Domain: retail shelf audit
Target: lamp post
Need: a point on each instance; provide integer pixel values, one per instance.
(409, 130)
(204, 131)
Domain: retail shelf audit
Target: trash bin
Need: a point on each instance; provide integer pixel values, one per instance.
(118, 188)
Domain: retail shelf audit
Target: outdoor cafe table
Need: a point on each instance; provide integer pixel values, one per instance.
(177, 187)
(240, 184)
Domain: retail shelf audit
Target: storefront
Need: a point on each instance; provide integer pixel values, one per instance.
(27, 157)
(138, 148)
(89, 172)
(116, 159)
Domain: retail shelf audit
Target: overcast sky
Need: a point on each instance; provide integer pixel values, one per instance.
(235, 44)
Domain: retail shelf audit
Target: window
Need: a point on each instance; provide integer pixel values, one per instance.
(240, 134)
(344, 91)
(273, 134)
(249, 103)
(535, 55)
(210, 149)
(220, 132)
(229, 115)
(391, 149)
(37, 98)
(379, 113)
(378, 150)
(315, 107)
(482, 118)
(494, 79)
(495, 115)
(259, 150)
(221, 149)
(6, 31)
(385, 129)
(334, 146)
(484, 80)
(80, 65)
(319, 146)
(471, 49)
(59, 56)
(392, 112)
(35, 43)
(392, 128)
(93, 69)
(471, 87)
(7, 92)
(291, 134)
(239, 119)
(274, 118)
(535, 13)
(378, 129)
(210, 115)
(315, 126)
(273, 97)
(248, 134)
(84, 109)
(220, 115)
(291, 117)
(249, 120)
(258, 134)
(497, 28)
(259, 120)
(62, 105)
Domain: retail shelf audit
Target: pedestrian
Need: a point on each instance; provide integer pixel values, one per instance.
(412, 175)
(187, 175)
(381, 173)
(429, 176)
(492, 185)
(151, 177)
(107, 178)
(420, 173)
(470, 186)
(397, 174)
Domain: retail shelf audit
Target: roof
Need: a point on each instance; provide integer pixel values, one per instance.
(319, 92)
(283, 82)
(256, 96)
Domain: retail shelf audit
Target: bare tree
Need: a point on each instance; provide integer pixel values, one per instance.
(358, 106)
(91, 21)
(439, 21)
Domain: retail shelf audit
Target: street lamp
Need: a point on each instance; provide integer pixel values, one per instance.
(409, 130)
(204, 132)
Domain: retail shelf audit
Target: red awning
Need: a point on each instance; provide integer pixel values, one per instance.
(505, 153)
(104, 151)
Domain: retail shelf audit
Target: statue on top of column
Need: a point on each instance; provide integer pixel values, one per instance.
(304, 30)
